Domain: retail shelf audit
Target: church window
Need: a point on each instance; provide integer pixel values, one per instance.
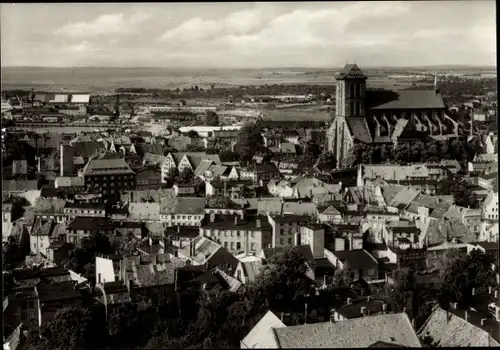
(352, 108)
(353, 90)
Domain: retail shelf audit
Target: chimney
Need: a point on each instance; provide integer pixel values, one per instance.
(466, 316)
(368, 298)
(404, 310)
(363, 311)
(384, 308)
(348, 301)
(212, 217)
(236, 220)
(296, 240)
(454, 305)
(282, 314)
(483, 322)
(473, 291)
(490, 289)
(496, 294)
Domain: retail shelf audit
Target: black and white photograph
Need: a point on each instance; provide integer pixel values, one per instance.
(249, 175)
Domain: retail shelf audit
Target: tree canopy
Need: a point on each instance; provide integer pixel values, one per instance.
(249, 141)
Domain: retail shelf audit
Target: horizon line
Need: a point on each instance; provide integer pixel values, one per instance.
(262, 68)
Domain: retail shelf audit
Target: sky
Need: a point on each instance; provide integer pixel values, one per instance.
(249, 34)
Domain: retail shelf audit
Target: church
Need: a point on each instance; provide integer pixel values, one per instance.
(384, 116)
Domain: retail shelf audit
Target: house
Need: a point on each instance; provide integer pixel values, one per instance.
(437, 254)
(43, 232)
(108, 268)
(50, 208)
(58, 251)
(20, 169)
(83, 227)
(112, 295)
(204, 251)
(73, 210)
(247, 271)
(188, 190)
(361, 195)
(21, 188)
(361, 263)
(187, 160)
(488, 248)
(329, 214)
(21, 306)
(262, 334)
(74, 182)
(363, 332)
(490, 207)
(258, 172)
(459, 328)
(109, 176)
(54, 296)
(182, 211)
(238, 232)
(148, 178)
(366, 306)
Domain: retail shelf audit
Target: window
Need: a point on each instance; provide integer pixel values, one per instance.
(232, 233)
(371, 272)
(289, 241)
(253, 246)
(253, 234)
(238, 245)
(189, 217)
(232, 245)
(238, 233)
(226, 234)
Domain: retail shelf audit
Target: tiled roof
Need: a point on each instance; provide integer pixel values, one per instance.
(357, 333)
(204, 248)
(262, 335)
(251, 269)
(183, 205)
(404, 197)
(356, 258)
(107, 167)
(445, 329)
(19, 185)
(203, 167)
(153, 158)
(331, 210)
(414, 99)
(445, 230)
(147, 195)
(350, 70)
(49, 206)
(232, 284)
(273, 206)
(359, 129)
(75, 181)
(144, 211)
(195, 158)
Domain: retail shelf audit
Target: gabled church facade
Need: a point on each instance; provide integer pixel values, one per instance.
(382, 116)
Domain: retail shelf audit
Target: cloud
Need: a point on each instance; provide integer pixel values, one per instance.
(105, 24)
(255, 30)
(84, 46)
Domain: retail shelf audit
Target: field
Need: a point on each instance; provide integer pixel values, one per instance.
(106, 80)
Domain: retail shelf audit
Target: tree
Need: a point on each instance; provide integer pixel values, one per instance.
(131, 324)
(211, 118)
(463, 274)
(74, 328)
(313, 149)
(250, 140)
(227, 155)
(328, 160)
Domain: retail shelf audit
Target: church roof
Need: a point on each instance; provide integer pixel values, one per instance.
(413, 99)
(359, 129)
(351, 71)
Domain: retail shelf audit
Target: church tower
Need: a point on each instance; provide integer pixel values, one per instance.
(350, 106)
